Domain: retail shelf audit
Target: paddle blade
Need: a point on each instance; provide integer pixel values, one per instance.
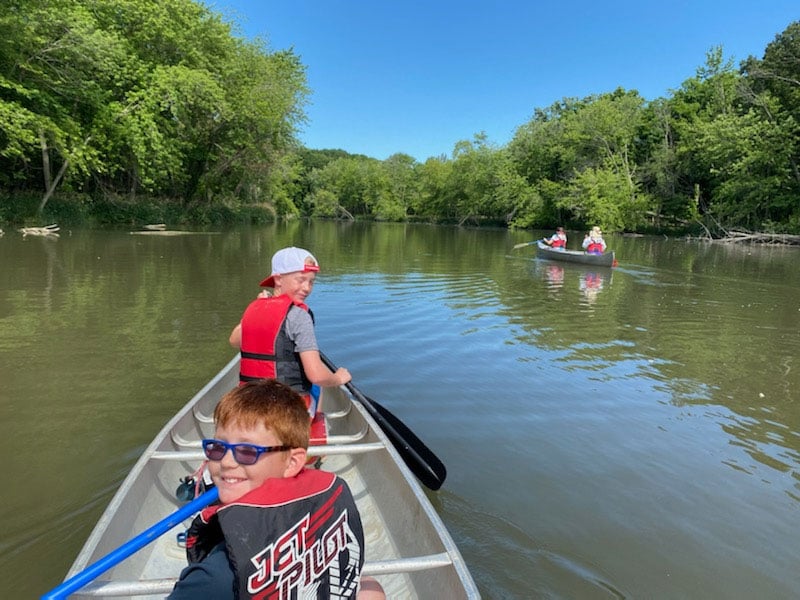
(522, 245)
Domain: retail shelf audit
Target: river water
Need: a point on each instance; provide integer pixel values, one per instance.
(625, 433)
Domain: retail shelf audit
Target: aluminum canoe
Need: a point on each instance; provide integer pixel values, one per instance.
(408, 548)
(601, 260)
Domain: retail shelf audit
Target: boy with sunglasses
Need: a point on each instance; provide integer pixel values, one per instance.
(280, 530)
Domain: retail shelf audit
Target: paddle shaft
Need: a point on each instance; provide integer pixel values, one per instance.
(523, 244)
(425, 465)
(115, 557)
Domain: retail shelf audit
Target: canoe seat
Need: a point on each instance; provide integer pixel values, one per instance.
(334, 440)
(164, 586)
(322, 450)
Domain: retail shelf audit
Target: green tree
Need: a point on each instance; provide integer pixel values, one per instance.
(433, 201)
(773, 91)
(658, 167)
(539, 148)
(779, 71)
(749, 168)
(603, 132)
(701, 99)
(359, 186)
(403, 186)
(474, 182)
(57, 72)
(736, 147)
(127, 95)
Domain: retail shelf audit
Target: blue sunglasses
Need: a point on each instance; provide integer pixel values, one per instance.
(244, 454)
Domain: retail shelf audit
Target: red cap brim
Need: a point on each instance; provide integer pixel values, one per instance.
(270, 281)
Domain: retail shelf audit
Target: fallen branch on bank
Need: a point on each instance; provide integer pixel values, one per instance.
(721, 235)
(778, 239)
(47, 230)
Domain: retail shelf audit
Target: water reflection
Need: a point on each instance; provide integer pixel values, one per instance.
(554, 275)
(591, 284)
(589, 281)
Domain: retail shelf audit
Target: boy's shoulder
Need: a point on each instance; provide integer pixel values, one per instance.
(306, 485)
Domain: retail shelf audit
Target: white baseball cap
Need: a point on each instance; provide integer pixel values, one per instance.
(290, 260)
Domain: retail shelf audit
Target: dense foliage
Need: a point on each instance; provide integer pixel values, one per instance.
(114, 104)
(129, 97)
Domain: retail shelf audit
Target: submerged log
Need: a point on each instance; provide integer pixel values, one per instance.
(741, 236)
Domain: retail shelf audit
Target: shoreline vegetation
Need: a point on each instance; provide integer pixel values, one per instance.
(160, 229)
(141, 112)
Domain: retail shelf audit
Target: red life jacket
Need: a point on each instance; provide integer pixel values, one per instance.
(559, 241)
(266, 350)
(304, 538)
(594, 247)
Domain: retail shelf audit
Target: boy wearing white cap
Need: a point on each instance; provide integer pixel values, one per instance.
(276, 334)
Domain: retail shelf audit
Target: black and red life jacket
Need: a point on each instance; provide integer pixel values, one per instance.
(298, 537)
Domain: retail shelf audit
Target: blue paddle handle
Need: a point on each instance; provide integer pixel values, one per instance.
(115, 557)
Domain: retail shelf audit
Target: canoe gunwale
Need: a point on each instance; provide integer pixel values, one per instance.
(83, 558)
(105, 589)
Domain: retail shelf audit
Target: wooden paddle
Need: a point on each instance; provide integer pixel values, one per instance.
(113, 558)
(425, 465)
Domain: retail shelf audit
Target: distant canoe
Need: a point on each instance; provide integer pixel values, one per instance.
(574, 256)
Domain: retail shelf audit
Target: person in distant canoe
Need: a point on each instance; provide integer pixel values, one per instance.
(594, 243)
(557, 241)
(276, 334)
(257, 541)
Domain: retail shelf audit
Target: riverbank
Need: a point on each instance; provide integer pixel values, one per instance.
(19, 212)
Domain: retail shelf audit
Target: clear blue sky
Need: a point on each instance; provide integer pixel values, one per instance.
(417, 76)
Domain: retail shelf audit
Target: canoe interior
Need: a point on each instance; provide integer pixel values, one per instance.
(574, 256)
(399, 520)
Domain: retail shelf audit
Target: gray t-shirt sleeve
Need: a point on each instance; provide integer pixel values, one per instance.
(300, 329)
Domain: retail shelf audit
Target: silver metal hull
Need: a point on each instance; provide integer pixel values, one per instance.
(408, 548)
(573, 256)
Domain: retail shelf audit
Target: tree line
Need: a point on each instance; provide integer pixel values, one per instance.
(122, 108)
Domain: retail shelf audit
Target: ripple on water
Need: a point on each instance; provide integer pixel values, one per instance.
(504, 557)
